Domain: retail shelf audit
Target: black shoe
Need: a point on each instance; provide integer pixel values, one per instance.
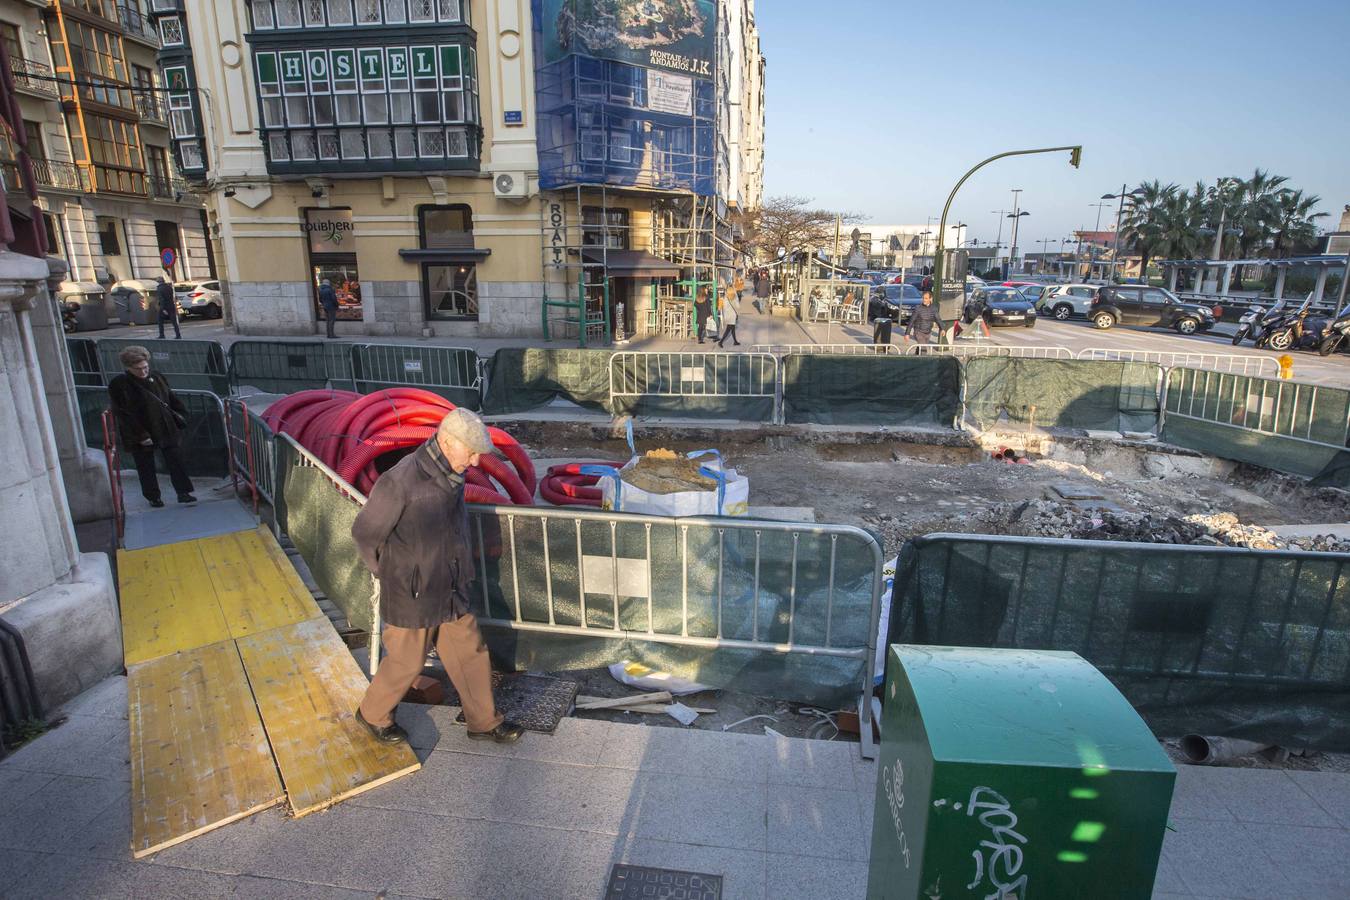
(185, 498)
(505, 733)
(389, 734)
(157, 504)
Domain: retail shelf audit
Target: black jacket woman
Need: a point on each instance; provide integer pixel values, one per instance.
(150, 417)
(702, 311)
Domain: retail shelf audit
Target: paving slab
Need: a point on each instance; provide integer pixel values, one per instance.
(1312, 861)
(816, 822)
(1267, 796)
(808, 878)
(673, 751)
(1218, 859)
(105, 700)
(54, 817)
(1329, 790)
(1195, 796)
(816, 764)
(689, 810)
(88, 746)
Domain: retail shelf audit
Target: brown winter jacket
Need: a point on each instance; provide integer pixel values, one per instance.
(413, 534)
(145, 408)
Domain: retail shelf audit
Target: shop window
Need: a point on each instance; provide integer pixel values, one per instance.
(445, 227)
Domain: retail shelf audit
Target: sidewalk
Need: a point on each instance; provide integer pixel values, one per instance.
(777, 818)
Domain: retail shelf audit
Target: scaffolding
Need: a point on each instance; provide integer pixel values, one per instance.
(611, 132)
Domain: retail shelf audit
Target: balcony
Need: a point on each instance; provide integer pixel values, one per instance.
(60, 176)
(150, 109)
(34, 78)
(138, 27)
(168, 188)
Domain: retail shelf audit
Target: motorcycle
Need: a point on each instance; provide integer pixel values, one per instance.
(1335, 335)
(1250, 323)
(1285, 331)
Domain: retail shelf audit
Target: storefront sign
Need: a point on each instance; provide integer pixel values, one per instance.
(557, 243)
(669, 93)
(329, 231)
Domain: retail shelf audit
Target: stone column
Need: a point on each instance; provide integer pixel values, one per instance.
(61, 601)
(1279, 281)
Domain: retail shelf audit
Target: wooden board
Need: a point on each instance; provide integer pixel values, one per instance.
(255, 584)
(199, 753)
(168, 602)
(307, 687)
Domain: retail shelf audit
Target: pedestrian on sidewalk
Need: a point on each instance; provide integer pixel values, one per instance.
(167, 305)
(413, 535)
(923, 319)
(150, 417)
(882, 325)
(702, 311)
(328, 300)
(763, 290)
(731, 311)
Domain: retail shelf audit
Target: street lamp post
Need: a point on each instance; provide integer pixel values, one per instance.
(1120, 209)
(1016, 216)
(998, 241)
(1075, 157)
(1096, 229)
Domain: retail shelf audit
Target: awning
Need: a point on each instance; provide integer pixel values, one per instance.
(631, 263)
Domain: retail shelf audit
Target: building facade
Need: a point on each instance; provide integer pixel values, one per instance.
(97, 131)
(455, 167)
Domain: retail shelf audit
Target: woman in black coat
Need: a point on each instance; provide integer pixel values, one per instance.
(149, 417)
(702, 311)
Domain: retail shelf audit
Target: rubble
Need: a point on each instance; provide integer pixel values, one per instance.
(1050, 518)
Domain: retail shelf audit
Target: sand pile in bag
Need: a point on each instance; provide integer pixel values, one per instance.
(667, 472)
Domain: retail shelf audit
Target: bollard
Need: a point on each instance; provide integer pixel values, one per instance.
(1286, 366)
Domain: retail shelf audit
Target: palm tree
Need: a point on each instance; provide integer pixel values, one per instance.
(1256, 210)
(1294, 225)
(1143, 221)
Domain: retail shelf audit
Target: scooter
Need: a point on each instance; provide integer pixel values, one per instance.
(1250, 323)
(1284, 331)
(1335, 335)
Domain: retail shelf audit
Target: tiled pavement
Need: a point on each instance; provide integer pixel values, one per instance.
(778, 818)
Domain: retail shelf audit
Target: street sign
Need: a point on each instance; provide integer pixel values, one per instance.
(168, 257)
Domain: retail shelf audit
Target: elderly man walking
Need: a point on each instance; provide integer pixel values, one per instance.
(413, 534)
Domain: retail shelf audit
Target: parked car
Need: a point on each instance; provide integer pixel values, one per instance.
(1067, 300)
(1033, 292)
(999, 305)
(1123, 304)
(199, 298)
(893, 301)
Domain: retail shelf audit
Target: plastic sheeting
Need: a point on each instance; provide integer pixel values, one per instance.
(879, 390)
(524, 379)
(1241, 643)
(1062, 393)
(203, 440)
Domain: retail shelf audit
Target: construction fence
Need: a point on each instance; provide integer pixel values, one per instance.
(1216, 640)
(1225, 411)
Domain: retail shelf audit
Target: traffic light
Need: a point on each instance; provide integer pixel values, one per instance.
(1076, 156)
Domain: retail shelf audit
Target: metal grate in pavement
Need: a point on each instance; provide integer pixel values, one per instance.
(645, 883)
(534, 702)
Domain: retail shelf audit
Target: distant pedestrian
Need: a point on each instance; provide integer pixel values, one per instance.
(882, 325)
(150, 417)
(763, 290)
(167, 305)
(328, 300)
(731, 311)
(702, 311)
(922, 320)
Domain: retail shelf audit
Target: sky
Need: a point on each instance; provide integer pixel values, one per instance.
(879, 106)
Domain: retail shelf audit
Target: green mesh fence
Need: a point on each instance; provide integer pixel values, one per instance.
(1243, 643)
(451, 372)
(84, 363)
(1288, 426)
(524, 379)
(1062, 393)
(717, 385)
(204, 445)
(284, 367)
(880, 390)
(190, 365)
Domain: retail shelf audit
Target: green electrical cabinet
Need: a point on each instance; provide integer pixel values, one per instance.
(1013, 774)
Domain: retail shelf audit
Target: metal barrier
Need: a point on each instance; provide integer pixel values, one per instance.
(966, 351)
(203, 438)
(455, 373)
(637, 377)
(844, 349)
(190, 365)
(252, 453)
(288, 366)
(84, 364)
(1308, 413)
(1240, 364)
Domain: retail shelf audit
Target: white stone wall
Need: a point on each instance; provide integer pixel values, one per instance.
(508, 309)
(273, 307)
(392, 308)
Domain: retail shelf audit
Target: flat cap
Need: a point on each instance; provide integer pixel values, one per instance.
(464, 426)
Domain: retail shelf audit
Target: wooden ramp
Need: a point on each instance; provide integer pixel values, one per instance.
(234, 673)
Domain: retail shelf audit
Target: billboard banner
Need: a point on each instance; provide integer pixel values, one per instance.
(676, 35)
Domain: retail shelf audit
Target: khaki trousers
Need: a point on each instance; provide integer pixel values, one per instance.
(464, 655)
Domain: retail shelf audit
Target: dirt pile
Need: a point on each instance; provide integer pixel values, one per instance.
(666, 472)
(1049, 518)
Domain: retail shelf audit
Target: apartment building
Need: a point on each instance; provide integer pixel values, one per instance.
(456, 167)
(97, 133)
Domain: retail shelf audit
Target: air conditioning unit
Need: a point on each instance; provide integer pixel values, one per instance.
(510, 185)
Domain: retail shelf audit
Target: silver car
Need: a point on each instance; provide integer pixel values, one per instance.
(1064, 301)
(199, 298)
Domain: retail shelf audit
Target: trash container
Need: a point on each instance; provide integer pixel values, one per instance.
(135, 302)
(92, 314)
(1013, 773)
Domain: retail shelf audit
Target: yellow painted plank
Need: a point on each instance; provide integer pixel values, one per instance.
(256, 585)
(307, 687)
(168, 602)
(199, 753)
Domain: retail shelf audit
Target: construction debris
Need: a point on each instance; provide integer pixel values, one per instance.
(655, 703)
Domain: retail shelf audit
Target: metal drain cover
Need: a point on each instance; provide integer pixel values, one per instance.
(645, 883)
(534, 702)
